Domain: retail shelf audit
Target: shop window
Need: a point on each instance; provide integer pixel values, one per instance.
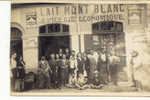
(43, 29)
(54, 28)
(65, 28)
(107, 26)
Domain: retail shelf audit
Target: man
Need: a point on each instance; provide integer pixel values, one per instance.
(102, 67)
(93, 65)
(13, 64)
(52, 64)
(113, 65)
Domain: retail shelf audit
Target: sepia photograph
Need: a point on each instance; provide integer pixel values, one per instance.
(80, 49)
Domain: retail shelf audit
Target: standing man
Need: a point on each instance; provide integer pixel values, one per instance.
(52, 64)
(113, 65)
(93, 65)
(102, 67)
(13, 64)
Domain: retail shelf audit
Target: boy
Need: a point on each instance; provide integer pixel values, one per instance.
(96, 82)
(82, 82)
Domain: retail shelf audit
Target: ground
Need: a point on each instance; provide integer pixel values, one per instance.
(68, 91)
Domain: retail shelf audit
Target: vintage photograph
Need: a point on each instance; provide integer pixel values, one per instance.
(80, 49)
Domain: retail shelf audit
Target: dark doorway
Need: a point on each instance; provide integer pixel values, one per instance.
(52, 38)
(51, 44)
(109, 36)
(16, 42)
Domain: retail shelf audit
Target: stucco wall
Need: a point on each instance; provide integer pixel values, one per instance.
(136, 29)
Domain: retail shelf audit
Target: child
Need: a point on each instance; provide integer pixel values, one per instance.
(82, 82)
(73, 65)
(72, 81)
(96, 82)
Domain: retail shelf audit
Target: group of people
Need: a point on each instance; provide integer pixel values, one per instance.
(92, 69)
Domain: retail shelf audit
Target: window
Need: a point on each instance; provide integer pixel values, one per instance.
(65, 28)
(54, 28)
(43, 29)
(107, 26)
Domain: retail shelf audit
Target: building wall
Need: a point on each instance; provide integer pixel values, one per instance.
(134, 17)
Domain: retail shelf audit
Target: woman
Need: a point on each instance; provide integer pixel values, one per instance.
(44, 71)
(21, 74)
(80, 64)
(64, 70)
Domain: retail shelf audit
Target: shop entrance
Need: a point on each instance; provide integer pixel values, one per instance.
(109, 36)
(51, 44)
(16, 42)
(52, 38)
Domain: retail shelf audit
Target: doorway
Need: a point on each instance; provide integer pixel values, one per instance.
(51, 44)
(16, 42)
(109, 36)
(52, 38)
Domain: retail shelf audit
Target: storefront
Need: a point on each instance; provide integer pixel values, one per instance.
(45, 28)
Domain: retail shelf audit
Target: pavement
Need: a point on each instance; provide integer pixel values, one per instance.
(106, 90)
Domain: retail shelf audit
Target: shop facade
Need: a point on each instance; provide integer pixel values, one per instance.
(80, 27)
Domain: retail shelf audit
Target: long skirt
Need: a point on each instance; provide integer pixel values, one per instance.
(44, 80)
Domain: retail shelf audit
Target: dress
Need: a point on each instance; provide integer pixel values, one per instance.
(44, 75)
